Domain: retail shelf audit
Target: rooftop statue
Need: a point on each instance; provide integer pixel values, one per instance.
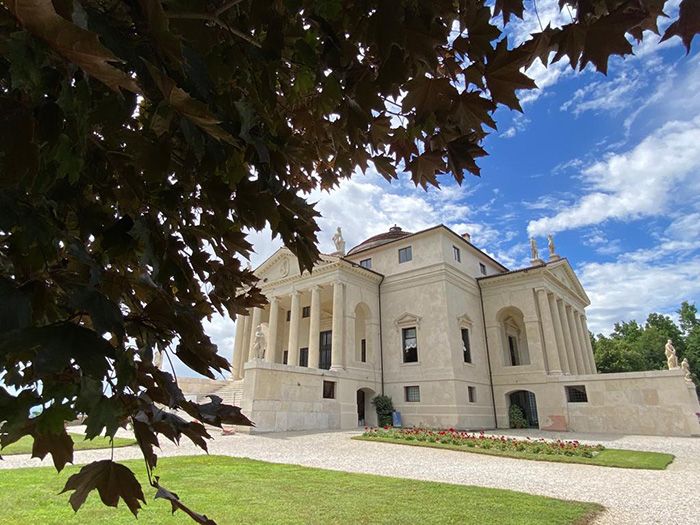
(534, 252)
(339, 242)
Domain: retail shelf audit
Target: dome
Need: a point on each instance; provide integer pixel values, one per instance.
(395, 232)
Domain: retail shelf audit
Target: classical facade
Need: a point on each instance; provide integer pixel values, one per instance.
(453, 336)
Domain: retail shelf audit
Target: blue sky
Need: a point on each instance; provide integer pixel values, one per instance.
(608, 164)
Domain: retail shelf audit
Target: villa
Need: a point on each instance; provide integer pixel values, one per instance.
(452, 335)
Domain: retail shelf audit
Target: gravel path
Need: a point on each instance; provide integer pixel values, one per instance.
(635, 497)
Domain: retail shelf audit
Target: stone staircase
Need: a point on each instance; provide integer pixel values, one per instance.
(231, 393)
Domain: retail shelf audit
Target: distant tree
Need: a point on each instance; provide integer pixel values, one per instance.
(617, 355)
(141, 139)
(631, 347)
(688, 317)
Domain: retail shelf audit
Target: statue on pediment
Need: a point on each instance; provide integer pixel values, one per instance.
(534, 252)
(339, 242)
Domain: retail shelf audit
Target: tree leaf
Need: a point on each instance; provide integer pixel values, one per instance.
(503, 76)
(59, 445)
(508, 7)
(112, 481)
(428, 96)
(687, 25)
(606, 36)
(195, 111)
(76, 44)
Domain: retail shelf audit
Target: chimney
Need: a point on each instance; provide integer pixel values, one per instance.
(467, 237)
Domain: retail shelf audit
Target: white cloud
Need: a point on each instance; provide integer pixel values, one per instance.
(631, 288)
(610, 95)
(641, 182)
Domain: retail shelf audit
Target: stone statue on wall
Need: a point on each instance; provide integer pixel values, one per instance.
(686, 368)
(339, 242)
(534, 252)
(671, 357)
(260, 343)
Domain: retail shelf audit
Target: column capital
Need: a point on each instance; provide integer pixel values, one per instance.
(273, 299)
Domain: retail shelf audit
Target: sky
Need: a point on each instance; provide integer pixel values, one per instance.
(609, 165)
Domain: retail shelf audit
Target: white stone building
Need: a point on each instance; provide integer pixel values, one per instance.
(449, 333)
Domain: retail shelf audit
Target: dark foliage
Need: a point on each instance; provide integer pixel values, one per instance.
(140, 140)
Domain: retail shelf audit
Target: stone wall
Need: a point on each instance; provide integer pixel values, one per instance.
(280, 398)
(657, 402)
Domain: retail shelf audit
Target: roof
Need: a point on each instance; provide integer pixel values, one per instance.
(399, 234)
(394, 233)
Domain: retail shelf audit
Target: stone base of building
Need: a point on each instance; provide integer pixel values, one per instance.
(658, 402)
(279, 398)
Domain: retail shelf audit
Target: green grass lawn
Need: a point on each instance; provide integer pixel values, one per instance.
(610, 457)
(233, 490)
(24, 444)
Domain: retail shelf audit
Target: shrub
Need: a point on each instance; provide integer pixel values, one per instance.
(517, 417)
(384, 407)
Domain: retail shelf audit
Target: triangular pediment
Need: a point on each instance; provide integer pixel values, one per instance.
(283, 264)
(407, 319)
(563, 273)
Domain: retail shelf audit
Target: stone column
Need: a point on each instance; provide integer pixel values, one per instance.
(559, 334)
(575, 340)
(338, 335)
(315, 327)
(582, 343)
(245, 350)
(272, 333)
(550, 338)
(568, 343)
(293, 346)
(237, 359)
(589, 345)
(254, 322)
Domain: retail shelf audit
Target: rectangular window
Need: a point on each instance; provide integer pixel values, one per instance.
(576, 394)
(466, 347)
(325, 350)
(513, 349)
(472, 394)
(366, 263)
(363, 350)
(306, 311)
(289, 315)
(303, 357)
(412, 394)
(285, 357)
(457, 254)
(482, 268)
(410, 345)
(329, 390)
(405, 254)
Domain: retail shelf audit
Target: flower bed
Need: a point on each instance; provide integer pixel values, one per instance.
(485, 442)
